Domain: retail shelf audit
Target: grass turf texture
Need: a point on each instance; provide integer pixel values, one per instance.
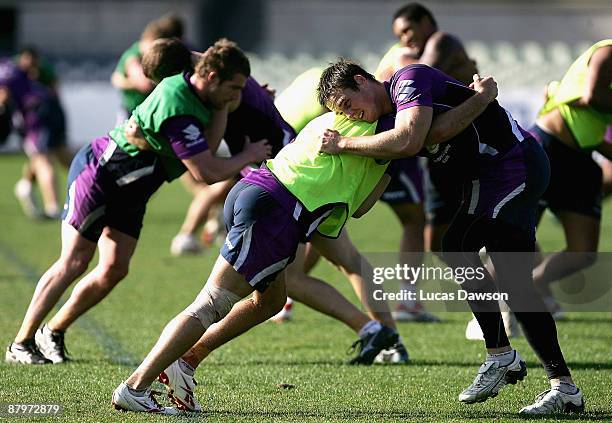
(239, 381)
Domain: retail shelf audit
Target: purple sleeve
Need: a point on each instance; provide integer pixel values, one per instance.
(186, 136)
(411, 86)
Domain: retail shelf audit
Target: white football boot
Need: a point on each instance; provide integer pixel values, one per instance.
(25, 195)
(126, 399)
(491, 377)
(51, 344)
(25, 353)
(286, 314)
(185, 244)
(554, 401)
(180, 387)
(397, 354)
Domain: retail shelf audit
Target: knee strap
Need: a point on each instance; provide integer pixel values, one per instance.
(212, 304)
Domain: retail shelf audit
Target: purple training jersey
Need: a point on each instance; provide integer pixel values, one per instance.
(488, 138)
(257, 118)
(186, 136)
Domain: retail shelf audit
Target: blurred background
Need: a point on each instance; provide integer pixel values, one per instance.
(524, 44)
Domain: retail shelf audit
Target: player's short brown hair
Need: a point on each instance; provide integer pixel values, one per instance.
(225, 58)
(339, 76)
(166, 57)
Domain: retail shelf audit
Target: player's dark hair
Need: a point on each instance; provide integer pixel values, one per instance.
(30, 50)
(171, 26)
(414, 12)
(151, 32)
(166, 57)
(225, 58)
(339, 76)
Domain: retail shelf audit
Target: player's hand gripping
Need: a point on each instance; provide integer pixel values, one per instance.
(134, 135)
(329, 142)
(487, 87)
(257, 151)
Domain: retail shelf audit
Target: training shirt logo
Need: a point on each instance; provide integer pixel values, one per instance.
(404, 90)
(193, 134)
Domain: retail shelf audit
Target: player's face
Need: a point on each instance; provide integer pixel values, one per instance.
(411, 34)
(27, 62)
(355, 104)
(230, 91)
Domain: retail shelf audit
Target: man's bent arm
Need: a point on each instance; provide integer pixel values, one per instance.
(205, 167)
(451, 123)
(406, 139)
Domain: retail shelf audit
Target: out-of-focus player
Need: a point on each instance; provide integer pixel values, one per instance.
(571, 125)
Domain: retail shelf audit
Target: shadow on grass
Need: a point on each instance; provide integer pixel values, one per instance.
(580, 319)
(411, 415)
(576, 365)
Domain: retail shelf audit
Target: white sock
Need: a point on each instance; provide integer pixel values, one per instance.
(370, 327)
(504, 358)
(567, 388)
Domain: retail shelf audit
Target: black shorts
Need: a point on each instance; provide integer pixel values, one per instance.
(575, 178)
(442, 200)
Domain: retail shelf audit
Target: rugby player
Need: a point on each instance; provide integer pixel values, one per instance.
(111, 180)
(128, 76)
(503, 172)
(570, 126)
(42, 136)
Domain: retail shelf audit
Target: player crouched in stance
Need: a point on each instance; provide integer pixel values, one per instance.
(503, 172)
(111, 181)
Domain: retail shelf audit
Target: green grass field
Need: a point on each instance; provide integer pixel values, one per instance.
(239, 381)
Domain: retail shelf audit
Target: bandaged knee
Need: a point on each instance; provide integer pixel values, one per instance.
(212, 304)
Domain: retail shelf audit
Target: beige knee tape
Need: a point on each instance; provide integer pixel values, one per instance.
(212, 304)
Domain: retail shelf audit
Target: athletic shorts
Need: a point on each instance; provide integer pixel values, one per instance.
(406, 185)
(510, 187)
(44, 127)
(265, 224)
(442, 200)
(575, 178)
(108, 187)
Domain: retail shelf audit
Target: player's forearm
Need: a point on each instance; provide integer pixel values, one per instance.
(393, 144)
(223, 168)
(216, 128)
(451, 123)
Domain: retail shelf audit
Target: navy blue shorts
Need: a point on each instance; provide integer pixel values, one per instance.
(407, 182)
(262, 236)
